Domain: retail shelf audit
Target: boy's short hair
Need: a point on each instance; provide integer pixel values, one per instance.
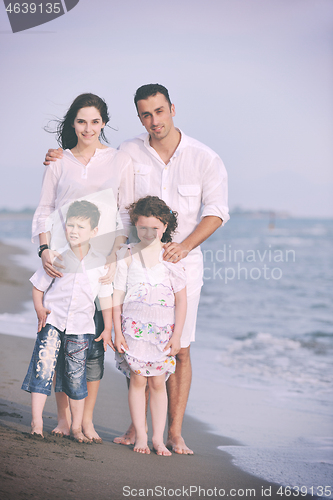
(84, 210)
(150, 90)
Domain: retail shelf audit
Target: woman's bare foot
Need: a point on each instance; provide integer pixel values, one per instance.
(89, 431)
(127, 438)
(79, 437)
(177, 445)
(141, 446)
(160, 449)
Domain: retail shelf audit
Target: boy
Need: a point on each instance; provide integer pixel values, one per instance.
(65, 308)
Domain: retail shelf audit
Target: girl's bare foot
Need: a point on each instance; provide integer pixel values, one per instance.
(141, 446)
(177, 445)
(161, 449)
(89, 431)
(79, 437)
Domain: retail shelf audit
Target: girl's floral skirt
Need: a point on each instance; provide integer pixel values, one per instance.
(145, 354)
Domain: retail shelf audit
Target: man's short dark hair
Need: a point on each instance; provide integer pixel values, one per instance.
(150, 90)
(84, 210)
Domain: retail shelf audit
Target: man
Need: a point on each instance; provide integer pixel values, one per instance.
(192, 180)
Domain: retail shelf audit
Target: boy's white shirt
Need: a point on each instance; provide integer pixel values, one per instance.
(71, 298)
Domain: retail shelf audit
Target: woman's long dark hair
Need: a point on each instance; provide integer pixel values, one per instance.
(66, 135)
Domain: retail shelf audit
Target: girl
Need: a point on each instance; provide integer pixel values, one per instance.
(149, 313)
(92, 171)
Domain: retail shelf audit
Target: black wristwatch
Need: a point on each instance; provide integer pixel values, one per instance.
(41, 249)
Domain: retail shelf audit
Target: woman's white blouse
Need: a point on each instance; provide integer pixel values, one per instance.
(107, 181)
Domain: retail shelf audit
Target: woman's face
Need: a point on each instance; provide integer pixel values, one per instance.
(88, 125)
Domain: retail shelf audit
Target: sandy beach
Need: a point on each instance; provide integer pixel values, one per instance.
(58, 468)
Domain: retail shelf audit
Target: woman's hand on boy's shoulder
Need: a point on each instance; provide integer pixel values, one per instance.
(53, 155)
(50, 260)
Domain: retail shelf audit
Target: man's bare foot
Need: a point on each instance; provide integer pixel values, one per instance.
(127, 438)
(89, 431)
(160, 449)
(141, 446)
(79, 437)
(177, 445)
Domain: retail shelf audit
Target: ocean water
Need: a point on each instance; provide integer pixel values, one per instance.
(262, 360)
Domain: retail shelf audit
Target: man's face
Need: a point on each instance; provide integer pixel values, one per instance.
(156, 116)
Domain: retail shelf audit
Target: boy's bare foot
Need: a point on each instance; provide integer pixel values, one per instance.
(141, 446)
(79, 437)
(177, 445)
(37, 430)
(160, 449)
(127, 438)
(89, 431)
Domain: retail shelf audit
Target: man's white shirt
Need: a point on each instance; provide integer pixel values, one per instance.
(193, 183)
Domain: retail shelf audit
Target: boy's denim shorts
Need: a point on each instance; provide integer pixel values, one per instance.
(67, 355)
(95, 359)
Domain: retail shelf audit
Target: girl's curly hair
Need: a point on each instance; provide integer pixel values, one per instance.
(153, 206)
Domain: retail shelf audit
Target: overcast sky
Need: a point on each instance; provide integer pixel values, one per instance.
(252, 79)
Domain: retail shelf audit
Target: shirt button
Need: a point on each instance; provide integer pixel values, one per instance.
(164, 188)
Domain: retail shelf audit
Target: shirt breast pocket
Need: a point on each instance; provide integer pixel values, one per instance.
(142, 179)
(190, 198)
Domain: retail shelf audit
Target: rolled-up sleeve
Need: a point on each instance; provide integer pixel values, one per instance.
(41, 222)
(125, 194)
(120, 279)
(215, 190)
(41, 280)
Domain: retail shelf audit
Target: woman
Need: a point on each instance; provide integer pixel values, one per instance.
(102, 175)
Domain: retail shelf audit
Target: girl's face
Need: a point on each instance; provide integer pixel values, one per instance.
(88, 125)
(149, 229)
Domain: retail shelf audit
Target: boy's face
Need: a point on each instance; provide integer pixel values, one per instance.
(78, 231)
